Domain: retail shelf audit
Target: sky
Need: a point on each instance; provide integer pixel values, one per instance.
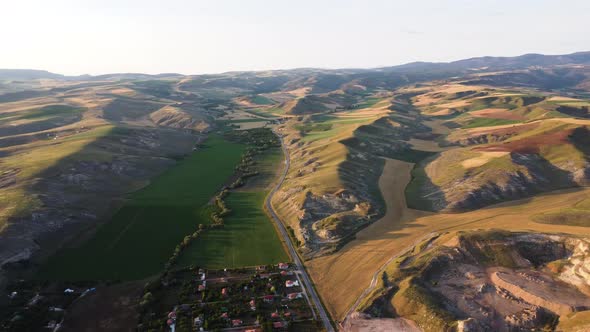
(76, 37)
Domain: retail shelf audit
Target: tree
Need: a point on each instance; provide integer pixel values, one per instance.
(385, 279)
(146, 300)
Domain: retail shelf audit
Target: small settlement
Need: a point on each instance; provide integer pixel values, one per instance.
(261, 298)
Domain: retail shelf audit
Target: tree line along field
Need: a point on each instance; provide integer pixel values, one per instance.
(248, 237)
(142, 235)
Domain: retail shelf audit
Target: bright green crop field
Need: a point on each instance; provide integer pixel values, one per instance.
(142, 235)
(248, 237)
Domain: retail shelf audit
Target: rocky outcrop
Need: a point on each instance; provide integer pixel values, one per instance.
(532, 298)
(328, 219)
(488, 280)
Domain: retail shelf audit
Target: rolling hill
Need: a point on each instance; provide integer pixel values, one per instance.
(380, 160)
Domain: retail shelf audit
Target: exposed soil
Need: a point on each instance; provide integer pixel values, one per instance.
(482, 159)
(361, 323)
(489, 281)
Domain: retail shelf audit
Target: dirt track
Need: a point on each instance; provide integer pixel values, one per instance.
(365, 254)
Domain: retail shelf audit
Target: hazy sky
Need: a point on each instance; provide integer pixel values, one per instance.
(192, 37)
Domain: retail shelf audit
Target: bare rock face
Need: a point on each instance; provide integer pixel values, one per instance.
(329, 217)
(492, 281)
(528, 318)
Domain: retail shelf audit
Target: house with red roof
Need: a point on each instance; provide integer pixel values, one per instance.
(292, 283)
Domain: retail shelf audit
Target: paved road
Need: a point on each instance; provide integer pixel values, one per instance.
(304, 276)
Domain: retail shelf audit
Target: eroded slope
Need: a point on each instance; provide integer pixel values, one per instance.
(486, 280)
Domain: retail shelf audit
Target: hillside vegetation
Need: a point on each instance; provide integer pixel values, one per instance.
(114, 173)
(504, 145)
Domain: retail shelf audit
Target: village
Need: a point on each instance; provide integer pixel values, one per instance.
(261, 298)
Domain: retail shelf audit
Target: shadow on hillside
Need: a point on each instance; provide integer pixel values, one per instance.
(421, 193)
(580, 138)
(543, 177)
(83, 189)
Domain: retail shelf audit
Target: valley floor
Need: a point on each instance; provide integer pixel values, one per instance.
(141, 236)
(248, 237)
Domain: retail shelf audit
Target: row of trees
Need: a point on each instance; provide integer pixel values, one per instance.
(260, 140)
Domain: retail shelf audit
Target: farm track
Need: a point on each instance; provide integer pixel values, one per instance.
(306, 280)
(375, 278)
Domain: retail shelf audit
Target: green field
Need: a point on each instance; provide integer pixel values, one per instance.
(369, 102)
(248, 237)
(487, 122)
(142, 235)
(261, 100)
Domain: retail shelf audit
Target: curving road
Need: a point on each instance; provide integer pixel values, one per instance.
(306, 280)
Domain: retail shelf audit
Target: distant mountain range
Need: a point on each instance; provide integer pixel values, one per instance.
(486, 63)
(497, 63)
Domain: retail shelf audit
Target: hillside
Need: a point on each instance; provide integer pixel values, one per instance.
(504, 144)
(486, 280)
(70, 151)
(379, 161)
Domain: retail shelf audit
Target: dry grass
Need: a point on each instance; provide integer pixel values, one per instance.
(330, 154)
(340, 278)
(239, 115)
(438, 127)
(455, 104)
(425, 145)
(442, 112)
(438, 93)
(481, 130)
(301, 92)
(560, 98)
(576, 322)
(482, 159)
(496, 113)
